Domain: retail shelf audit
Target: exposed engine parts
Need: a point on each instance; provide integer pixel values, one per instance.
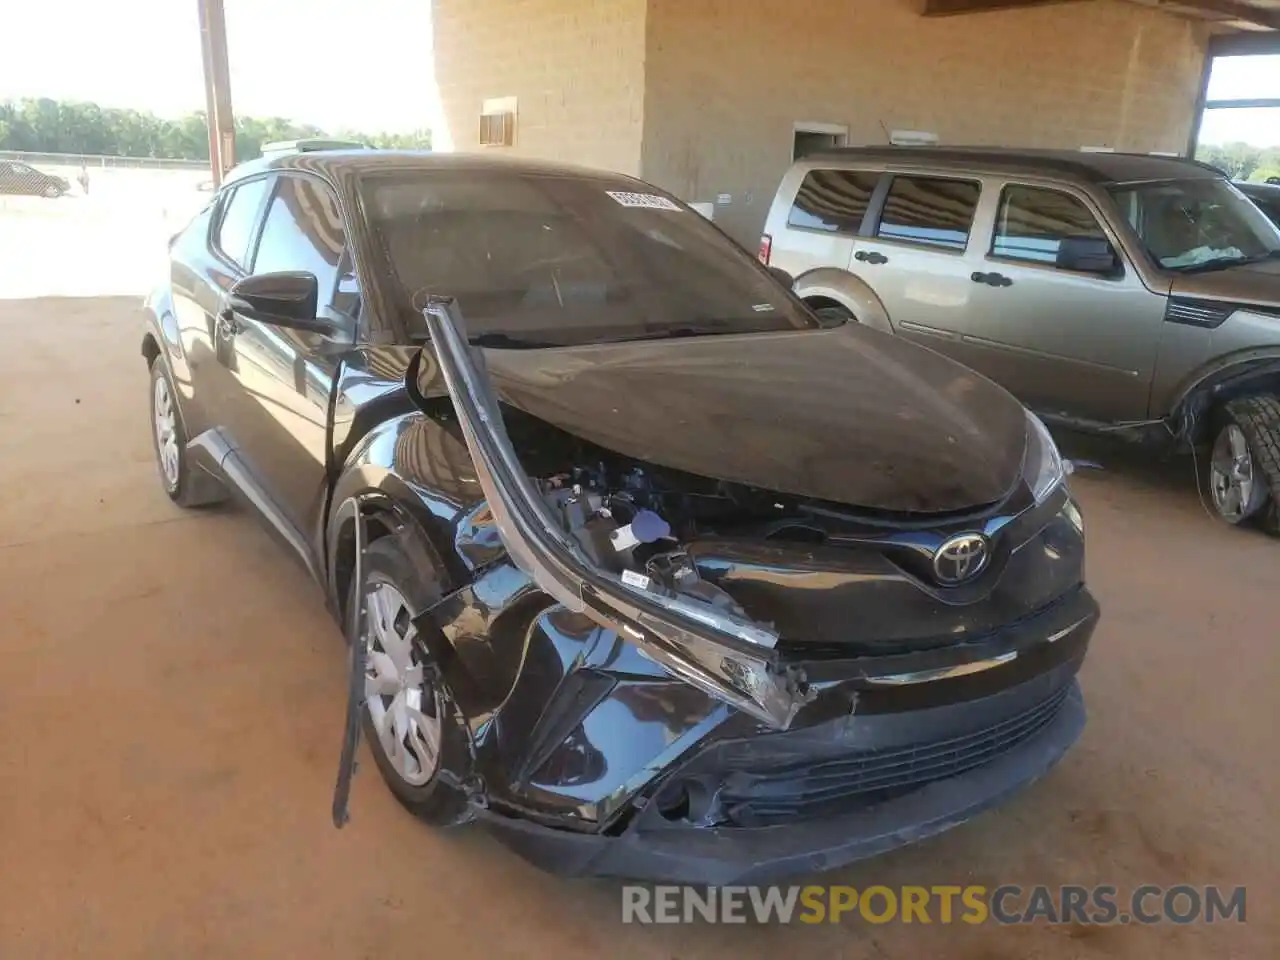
(629, 539)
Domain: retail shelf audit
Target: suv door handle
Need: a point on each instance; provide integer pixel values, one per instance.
(872, 257)
(991, 279)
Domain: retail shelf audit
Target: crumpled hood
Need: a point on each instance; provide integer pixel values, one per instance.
(848, 415)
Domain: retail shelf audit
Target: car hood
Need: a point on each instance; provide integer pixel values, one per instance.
(1248, 283)
(847, 415)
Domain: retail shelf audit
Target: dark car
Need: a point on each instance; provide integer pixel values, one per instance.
(1265, 196)
(647, 568)
(23, 179)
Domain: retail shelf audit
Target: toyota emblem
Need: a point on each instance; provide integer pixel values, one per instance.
(961, 558)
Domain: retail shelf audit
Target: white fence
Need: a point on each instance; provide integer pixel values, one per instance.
(91, 160)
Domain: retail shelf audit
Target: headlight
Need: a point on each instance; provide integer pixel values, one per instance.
(1043, 468)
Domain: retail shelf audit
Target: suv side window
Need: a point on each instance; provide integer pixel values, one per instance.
(239, 220)
(303, 231)
(1033, 221)
(933, 211)
(833, 201)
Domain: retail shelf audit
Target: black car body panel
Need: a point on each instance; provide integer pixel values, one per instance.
(811, 480)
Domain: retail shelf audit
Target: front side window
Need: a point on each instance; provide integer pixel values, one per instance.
(833, 201)
(1033, 222)
(303, 232)
(933, 211)
(239, 220)
(1197, 225)
(546, 260)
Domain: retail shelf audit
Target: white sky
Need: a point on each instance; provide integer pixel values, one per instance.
(1250, 77)
(364, 64)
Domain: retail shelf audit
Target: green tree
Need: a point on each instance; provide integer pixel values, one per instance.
(49, 126)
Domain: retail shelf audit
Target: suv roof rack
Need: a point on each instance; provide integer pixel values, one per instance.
(310, 145)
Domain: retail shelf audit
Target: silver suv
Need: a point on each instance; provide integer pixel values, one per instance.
(1130, 295)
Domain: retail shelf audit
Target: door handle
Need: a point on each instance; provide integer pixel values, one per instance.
(991, 279)
(227, 325)
(872, 257)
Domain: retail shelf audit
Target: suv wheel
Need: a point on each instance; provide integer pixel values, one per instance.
(410, 720)
(1244, 467)
(832, 313)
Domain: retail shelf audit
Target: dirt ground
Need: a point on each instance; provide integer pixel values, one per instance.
(171, 693)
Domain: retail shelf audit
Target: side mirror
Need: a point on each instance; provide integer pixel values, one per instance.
(286, 299)
(784, 278)
(1087, 255)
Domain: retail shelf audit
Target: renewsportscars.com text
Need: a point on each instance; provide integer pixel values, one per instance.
(940, 903)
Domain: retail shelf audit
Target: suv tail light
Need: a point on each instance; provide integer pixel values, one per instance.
(766, 248)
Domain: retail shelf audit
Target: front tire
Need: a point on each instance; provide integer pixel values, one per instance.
(53, 191)
(410, 719)
(1244, 466)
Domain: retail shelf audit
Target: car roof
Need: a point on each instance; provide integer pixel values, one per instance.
(336, 163)
(1094, 167)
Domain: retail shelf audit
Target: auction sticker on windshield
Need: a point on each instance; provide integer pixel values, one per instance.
(647, 201)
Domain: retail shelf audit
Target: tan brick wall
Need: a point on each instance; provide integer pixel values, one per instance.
(727, 79)
(576, 68)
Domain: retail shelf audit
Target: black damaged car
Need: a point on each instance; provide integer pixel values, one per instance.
(644, 566)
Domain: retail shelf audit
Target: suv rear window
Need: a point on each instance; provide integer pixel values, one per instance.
(930, 210)
(834, 201)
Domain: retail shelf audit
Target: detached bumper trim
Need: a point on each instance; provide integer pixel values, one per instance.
(720, 856)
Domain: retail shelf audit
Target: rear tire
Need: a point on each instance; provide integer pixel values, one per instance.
(1244, 465)
(169, 439)
(410, 720)
(833, 314)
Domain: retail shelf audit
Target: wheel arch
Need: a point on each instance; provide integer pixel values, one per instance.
(844, 289)
(390, 507)
(1216, 383)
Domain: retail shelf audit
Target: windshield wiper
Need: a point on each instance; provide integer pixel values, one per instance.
(1224, 263)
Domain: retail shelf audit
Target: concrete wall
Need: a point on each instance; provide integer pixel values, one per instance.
(701, 96)
(726, 81)
(576, 68)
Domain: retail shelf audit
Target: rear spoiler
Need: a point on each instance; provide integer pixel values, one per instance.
(727, 656)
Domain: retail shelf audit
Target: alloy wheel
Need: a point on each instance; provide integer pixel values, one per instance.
(1232, 478)
(165, 417)
(403, 704)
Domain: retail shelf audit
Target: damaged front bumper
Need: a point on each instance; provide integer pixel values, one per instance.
(655, 848)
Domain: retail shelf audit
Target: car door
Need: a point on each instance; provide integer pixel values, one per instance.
(284, 378)
(203, 268)
(1063, 341)
(913, 254)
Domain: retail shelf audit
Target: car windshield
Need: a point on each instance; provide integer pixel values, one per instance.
(1197, 225)
(542, 260)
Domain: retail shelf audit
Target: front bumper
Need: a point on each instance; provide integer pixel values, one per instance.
(652, 848)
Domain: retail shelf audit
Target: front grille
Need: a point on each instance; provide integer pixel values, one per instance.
(854, 780)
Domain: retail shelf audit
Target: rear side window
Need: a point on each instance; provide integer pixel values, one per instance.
(833, 201)
(1033, 222)
(240, 220)
(933, 211)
